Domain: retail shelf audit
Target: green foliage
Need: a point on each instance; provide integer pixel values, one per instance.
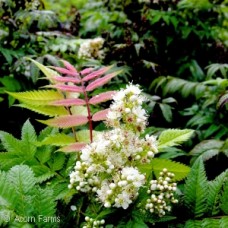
(173, 137)
(22, 197)
(205, 199)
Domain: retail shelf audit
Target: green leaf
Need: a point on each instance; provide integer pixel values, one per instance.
(45, 110)
(224, 199)
(59, 139)
(180, 170)
(49, 73)
(214, 192)
(166, 111)
(10, 143)
(196, 189)
(22, 178)
(28, 138)
(207, 149)
(58, 161)
(173, 137)
(38, 97)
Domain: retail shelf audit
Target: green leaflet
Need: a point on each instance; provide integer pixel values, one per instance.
(157, 165)
(196, 189)
(214, 193)
(38, 97)
(49, 73)
(173, 137)
(45, 110)
(59, 139)
(224, 199)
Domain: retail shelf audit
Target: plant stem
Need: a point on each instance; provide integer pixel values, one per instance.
(89, 112)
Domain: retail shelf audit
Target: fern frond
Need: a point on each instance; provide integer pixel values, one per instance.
(39, 97)
(214, 193)
(224, 199)
(173, 137)
(44, 205)
(208, 223)
(45, 110)
(66, 121)
(196, 189)
(180, 170)
(59, 139)
(8, 196)
(223, 222)
(22, 178)
(193, 224)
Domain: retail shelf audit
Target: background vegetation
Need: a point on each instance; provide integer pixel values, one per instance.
(175, 50)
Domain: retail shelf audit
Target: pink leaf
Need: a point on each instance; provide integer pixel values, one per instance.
(68, 102)
(101, 115)
(102, 97)
(66, 79)
(86, 71)
(66, 121)
(96, 73)
(68, 88)
(64, 71)
(101, 81)
(69, 66)
(73, 147)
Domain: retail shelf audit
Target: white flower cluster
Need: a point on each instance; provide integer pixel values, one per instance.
(127, 111)
(91, 49)
(161, 194)
(93, 223)
(108, 166)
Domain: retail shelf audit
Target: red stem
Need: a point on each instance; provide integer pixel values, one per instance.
(89, 113)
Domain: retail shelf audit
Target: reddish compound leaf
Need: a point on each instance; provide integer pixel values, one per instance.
(73, 147)
(66, 79)
(86, 71)
(69, 66)
(66, 121)
(68, 102)
(64, 71)
(102, 97)
(101, 81)
(101, 115)
(96, 73)
(67, 88)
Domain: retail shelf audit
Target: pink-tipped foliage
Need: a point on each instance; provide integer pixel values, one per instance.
(69, 66)
(66, 121)
(67, 88)
(96, 74)
(65, 71)
(68, 102)
(67, 79)
(101, 115)
(73, 147)
(86, 71)
(100, 81)
(102, 97)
